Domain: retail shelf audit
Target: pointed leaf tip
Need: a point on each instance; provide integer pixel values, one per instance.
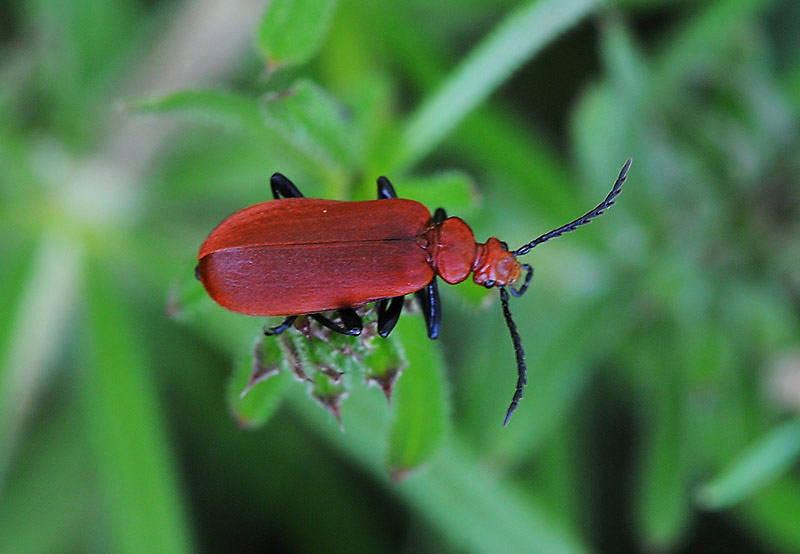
(385, 381)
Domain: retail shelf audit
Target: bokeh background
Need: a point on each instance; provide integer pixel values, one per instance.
(661, 413)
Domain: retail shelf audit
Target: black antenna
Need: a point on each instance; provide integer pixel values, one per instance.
(522, 371)
(585, 218)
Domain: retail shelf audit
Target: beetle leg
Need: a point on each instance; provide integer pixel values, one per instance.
(431, 307)
(282, 186)
(385, 189)
(387, 317)
(429, 296)
(350, 319)
(278, 329)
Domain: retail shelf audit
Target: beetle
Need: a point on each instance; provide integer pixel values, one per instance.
(296, 256)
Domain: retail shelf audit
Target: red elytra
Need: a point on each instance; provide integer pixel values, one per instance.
(297, 256)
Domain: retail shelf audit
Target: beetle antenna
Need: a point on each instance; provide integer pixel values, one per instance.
(585, 218)
(522, 370)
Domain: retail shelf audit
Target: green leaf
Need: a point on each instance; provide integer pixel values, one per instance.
(663, 508)
(226, 109)
(420, 401)
(626, 66)
(385, 364)
(258, 382)
(50, 477)
(772, 514)
(762, 463)
(39, 288)
(482, 513)
(530, 170)
(14, 276)
(516, 39)
(471, 505)
(313, 122)
(187, 299)
(700, 41)
(292, 31)
(565, 343)
(599, 133)
(452, 189)
(302, 123)
(137, 483)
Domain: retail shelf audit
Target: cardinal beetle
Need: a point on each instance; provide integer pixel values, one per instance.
(298, 256)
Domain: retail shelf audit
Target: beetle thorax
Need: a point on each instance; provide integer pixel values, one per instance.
(494, 265)
(451, 249)
(453, 254)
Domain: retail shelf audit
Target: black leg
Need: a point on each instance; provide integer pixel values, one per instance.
(282, 186)
(351, 320)
(387, 317)
(278, 329)
(385, 189)
(431, 307)
(439, 215)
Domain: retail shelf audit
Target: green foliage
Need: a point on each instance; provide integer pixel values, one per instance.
(515, 40)
(292, 30)
(420, 403)
(661, 340)
(130, 452)
(761, 464)
(258, 383)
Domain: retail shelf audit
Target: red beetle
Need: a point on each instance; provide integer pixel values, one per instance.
(301, 256)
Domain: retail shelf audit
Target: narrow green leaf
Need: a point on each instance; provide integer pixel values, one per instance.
(136, 477)
(43, 283)
(599, 134)
(292, 31)
(625, 63)
(663, 507)
(50, 477)
(479, 511)
(258, 382)
(302, 124)
(229, 110)
(516, 39)
(759, 465)
(14, 277)
(420, 401)
(313, 122)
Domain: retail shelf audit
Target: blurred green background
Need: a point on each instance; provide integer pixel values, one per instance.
(661, 413)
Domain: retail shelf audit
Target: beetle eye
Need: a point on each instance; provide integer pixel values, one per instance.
(489, 284)
(504, 244)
